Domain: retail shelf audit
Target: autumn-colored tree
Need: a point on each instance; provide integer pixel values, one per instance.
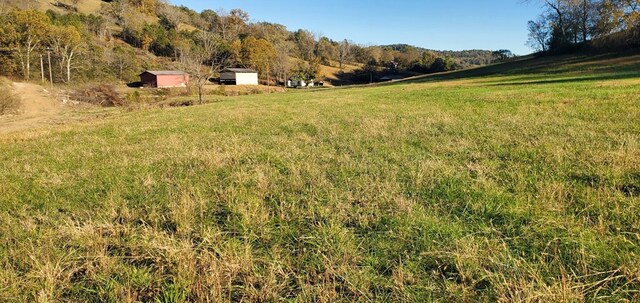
(325, 50)
(145, 6)
(428, 58)
(234, 49)
(387, 56)
(97, 25)
(179, 43)
(408, 57)
(274, 33)
(146, 41)
(305, 44)
(7, 41)
(209, 19)
(67, 43)
(374, 54)
(258, 54)
(29, 29)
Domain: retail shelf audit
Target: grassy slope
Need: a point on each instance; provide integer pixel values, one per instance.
(523, 185)
(84, 6)
(330, 73)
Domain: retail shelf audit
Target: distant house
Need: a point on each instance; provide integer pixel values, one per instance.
(164, 79)
(239, 76)
(296, 82)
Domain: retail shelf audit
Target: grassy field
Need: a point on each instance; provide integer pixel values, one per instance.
(510, 183)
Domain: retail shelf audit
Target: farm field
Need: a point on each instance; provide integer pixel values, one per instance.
(517, 182)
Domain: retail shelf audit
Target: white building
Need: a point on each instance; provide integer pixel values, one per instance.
(295, 83)
(239, 76)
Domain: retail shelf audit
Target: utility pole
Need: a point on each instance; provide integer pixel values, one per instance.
(50, 72)
(42, 68)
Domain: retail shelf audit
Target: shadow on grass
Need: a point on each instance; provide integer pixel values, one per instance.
(531, 68)
(621, 76)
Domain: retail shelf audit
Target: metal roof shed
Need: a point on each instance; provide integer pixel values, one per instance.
(239, 76)
(164, 79)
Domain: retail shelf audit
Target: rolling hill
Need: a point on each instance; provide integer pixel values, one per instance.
(83, 6)
(512, 182)
(131, 36)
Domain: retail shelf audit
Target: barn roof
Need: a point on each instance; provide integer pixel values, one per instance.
(164, 72)
(239, 70)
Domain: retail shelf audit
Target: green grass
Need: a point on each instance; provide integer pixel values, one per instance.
(511, 183)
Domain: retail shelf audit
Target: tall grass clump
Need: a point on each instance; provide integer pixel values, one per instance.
(9, 102)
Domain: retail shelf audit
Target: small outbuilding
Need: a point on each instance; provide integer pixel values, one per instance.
(296, 83)
(239, 76)
(164, 79)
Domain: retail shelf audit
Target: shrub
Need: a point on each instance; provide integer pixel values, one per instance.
(220, 90)
(255, 91)
(134, 97)
(9, 102)
(103, 95)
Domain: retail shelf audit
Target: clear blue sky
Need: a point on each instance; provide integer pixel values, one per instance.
(433, 24)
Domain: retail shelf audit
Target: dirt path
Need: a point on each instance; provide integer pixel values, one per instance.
(39, 108)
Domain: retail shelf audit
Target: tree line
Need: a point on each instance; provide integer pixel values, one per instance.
(567, 25)
(126, 36)
(26, 35)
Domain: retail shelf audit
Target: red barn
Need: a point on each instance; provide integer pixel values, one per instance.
(164, 79)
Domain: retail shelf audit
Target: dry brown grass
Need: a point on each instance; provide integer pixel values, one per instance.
(411, 192)
(9, 102)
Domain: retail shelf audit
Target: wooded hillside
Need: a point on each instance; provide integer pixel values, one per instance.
(115, 40)
(601, 25)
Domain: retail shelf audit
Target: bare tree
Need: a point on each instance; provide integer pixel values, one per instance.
(539, 34)
(556, 6)
(282, 63)
(587, 14)
(203, 59)
(230, 25)
(344, 52)
(374, 53)
(67, 43)
(305, 43)
(174, 15)
(558, 9)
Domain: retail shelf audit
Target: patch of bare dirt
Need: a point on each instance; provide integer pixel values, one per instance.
(39, 108)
